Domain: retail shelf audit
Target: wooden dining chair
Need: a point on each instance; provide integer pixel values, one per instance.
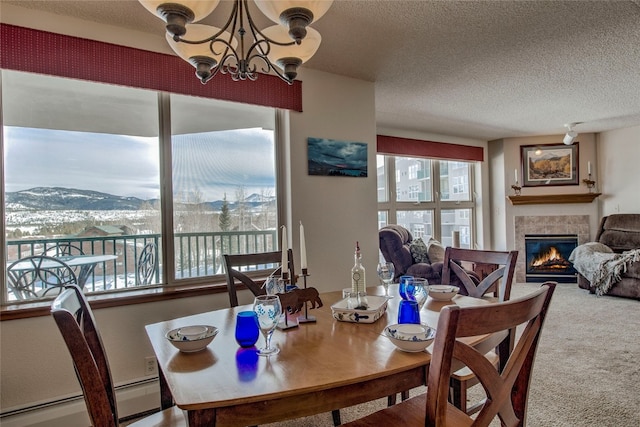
(497, 282)
(73, 315)
(38, 276)
(146, 264)
(507, 391)
(237, 267)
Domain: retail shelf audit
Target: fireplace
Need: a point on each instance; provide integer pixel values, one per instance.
(547, 257)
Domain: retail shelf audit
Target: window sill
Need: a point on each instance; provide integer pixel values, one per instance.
(116, 299)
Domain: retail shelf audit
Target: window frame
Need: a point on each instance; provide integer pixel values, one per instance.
(391, 206)
(170, 287)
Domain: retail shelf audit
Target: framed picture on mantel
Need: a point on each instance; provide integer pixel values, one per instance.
(549, 164)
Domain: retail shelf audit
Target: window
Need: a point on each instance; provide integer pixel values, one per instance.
(84, 163)
(427, 207)
(228, 160)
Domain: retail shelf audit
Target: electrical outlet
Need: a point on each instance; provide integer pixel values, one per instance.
(150, 365)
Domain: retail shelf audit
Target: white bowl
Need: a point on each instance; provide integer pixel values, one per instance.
(192, 333)
(410, 337)
(442, 292)
(190, 339)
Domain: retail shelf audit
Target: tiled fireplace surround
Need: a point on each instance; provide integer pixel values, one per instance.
(558, 224)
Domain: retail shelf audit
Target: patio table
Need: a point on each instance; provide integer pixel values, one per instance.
(86, 263)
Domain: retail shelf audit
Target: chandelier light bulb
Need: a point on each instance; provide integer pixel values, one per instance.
(180, 13)
(295, 15)
(289, 58)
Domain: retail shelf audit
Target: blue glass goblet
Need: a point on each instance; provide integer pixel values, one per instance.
(409, 312)
(406, 288)
(247, 328)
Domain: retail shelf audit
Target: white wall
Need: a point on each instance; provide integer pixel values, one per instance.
(619, 171)
(336, 211)
(506, 159)
(498, 196)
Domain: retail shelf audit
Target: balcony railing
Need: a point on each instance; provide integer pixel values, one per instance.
(196, 254)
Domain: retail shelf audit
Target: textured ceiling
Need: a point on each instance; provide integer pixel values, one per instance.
(478, 69)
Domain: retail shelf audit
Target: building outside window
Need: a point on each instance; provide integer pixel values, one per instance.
(84, 165)
(429, 197)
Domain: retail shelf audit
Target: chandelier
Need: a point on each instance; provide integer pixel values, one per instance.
(239, 48)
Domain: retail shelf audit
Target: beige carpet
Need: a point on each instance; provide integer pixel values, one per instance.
(587, 371)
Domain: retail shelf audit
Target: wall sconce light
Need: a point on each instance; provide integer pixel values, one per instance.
(571, 134)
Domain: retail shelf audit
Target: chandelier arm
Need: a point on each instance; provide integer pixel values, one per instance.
(256, 52)
(267, 65)
(255, 31)
(281, 74)
(237, 70)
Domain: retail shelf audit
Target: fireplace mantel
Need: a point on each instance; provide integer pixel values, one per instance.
(547, 199)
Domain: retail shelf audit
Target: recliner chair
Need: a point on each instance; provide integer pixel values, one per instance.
(395, 245)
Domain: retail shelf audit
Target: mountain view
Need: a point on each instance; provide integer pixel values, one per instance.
(58, 198)
(58, 210)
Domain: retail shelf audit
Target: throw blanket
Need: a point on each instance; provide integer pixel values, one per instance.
(598, 264)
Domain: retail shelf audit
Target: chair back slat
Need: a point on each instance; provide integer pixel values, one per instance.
(506, 389)
(234, 263)
(75, 320)
(498, 281)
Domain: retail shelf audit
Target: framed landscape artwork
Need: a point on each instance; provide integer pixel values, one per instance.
(329, 157)
(549, 164)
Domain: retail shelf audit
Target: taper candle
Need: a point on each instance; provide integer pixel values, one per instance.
(285, 259)
(303, 248)
(589, 168)
(516, 175)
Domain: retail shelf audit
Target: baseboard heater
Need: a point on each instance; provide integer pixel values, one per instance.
(133, 398)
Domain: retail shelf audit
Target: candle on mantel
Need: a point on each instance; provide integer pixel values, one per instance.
(516, 175)
(589, 168)
(303, 248)
(284, 264)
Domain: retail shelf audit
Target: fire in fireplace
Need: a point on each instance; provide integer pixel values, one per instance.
(547, 257)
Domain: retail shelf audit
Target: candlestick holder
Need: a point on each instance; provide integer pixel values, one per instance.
(516, 188)
(286, 323)
(305, 318)
(591, 184)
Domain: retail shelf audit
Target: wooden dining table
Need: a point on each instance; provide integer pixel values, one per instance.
(322, 366)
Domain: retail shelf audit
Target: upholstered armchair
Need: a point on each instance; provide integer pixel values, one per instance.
(396, 247)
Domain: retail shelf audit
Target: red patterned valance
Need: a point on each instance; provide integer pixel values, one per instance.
(435, 150)
(37, 51)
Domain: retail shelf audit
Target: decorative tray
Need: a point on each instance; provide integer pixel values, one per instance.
(377, 307)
